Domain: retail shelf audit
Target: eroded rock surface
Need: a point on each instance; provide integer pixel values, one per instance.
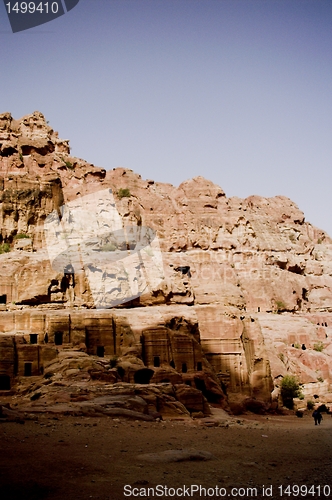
(244, 296)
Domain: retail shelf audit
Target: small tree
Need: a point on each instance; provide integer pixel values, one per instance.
(290, 388)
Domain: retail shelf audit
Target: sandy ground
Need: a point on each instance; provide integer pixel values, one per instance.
(79, 458)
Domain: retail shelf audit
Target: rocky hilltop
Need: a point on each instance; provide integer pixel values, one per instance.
(230, 294)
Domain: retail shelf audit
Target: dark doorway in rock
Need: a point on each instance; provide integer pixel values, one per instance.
(100, 351)
(46, 338)
(200, 384)
(143, 376)
(199, 366)
(68, 279)
(156, 361)
(33, 338)
(223, 386)
(120, 371)
(58, 338)
(184, 368)
(27, 369)
(184, 270)
(303, 347)
(172, 364)
(3, 299)
(4, 383)
(259, 309)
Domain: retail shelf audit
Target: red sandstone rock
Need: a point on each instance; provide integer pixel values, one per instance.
(246, 283)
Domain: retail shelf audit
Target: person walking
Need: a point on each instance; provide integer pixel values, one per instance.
(317, 417)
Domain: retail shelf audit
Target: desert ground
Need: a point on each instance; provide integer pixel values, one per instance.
(81, 458)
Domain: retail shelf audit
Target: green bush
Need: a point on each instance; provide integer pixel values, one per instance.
(320, 379)
(319, 346)
(21, 236)
(4, 248)
(281, 356)
(297, 345)
(290, 389)
(68, 164)
(109, 247)
(124, 193)
(310, 405)
(281, 306)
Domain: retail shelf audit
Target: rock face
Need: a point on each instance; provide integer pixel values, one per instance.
(229, 295)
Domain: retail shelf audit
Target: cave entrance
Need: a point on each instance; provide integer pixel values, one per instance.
(210, 396)
(184, 368)
(3, 299)
(58, 338)
(33, 338)
(4, 383)
(156, 361)
(143, 376)
(199, 366)
(185, 270)
(200, 384)
(27, 369)
(100, 351)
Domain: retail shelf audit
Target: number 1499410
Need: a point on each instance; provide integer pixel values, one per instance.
(32, 7)
(295, 490)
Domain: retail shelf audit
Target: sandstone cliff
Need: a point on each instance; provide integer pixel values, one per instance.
(239, 296)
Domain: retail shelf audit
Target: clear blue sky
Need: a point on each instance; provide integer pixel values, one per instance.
(239, 91)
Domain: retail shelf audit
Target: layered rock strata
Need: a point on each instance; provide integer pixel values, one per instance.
(240, 296)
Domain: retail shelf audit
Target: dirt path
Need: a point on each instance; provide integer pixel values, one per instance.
(84, 458)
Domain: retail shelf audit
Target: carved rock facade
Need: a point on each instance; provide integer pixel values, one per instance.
(246, 294)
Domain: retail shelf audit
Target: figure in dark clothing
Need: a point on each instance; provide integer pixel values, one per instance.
(317, 417)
